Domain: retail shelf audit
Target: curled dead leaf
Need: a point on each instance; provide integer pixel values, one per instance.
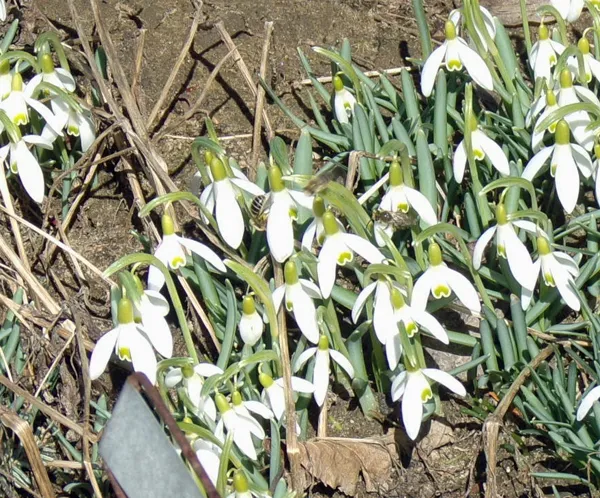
(342, 462)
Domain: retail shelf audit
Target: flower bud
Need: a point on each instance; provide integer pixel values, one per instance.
(450, 30)
(435, 254)
(47, 64)
(290, 273)
(323, 343)
(275, 179)
(240, 483)
(543, 246)
(566, 79)
(338, 84)
(562, 134)
(217, 169)
(396, 177)
(125, 311)
(584, 46)
(248, 307)
(168, 227)
(501, 216)
(265, 380)
(543, 33)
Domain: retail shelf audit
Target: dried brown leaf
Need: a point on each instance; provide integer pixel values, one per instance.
(340, 462)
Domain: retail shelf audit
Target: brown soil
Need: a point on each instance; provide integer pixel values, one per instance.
(382, 34)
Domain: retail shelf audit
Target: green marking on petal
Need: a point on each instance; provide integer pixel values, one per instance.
(426, 394)
(549, 279)
(454, 65)
(289, 305)
(501, 251)
(293, 213)
(404, 207)
(20, 119)
(440, 291)
(479, 154)
(73, 130)
(411, 328)
(344, 257)
(124, 353)
(177, 262)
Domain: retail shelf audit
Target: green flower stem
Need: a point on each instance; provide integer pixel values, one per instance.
(424, 35)
(149, 259)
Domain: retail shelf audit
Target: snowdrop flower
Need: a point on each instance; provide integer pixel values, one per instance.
(21, 161)
(549, 104)
(544, 54)
(488, 21)
(586, 402)
(565, 161)
(221, 198)
(323, 355)
(482, 146)
(441, 281)
(591, 66)
(209, 455)
(299, 294)
(558, 270)
(127, 339)
(172, 253)
(570, 10)
(455, 53)
(77, 123)
(343, 101)
(412, 320)
(150, 308)
(383, 311)
(580, 120)
(413, 387)
(243, 409)
(508, 245)
(240, 426)
(283, 212)
(339, 249)
(192, 379)
(274, 392)
(315, 230)
(399, 197)
(17, 104)
(251, 325)
(57, 76)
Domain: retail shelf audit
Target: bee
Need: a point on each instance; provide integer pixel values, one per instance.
(332, 172)
(396, 219)
(259, 211)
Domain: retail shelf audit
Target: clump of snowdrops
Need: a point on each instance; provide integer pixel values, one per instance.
(471, 182)
(44, 125)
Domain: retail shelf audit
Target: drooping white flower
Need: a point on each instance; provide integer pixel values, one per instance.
(558, 270)
(240, 426)
(283, 212)
(150, 307)
(578, 121)
(339, 249)
(315, 232)
(508, 245)
(21, 161)
(383, 311)
(400, 198)
(586, 402)
(57, 76)
(128, 340)
(192, 379)
(566, 160)
(209, 455)
(343, 101)
(412, 320)
(482, 146)
(16, 105)
(544, 54)
(172, 253)
(455, 53)
(549, 104)
(243, 408)
(251, 325)
(299, 294)
(76, 122)
(441, 281)
(414, 389)
(570, 10)
(275, 395)
(323, 355)
(591, 67)
(221, 198)
(488, 21)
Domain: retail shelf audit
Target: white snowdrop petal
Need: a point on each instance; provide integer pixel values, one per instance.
(321, 376)
(102, 352)
(446, 380)
(343, 362)
(463, 288)
(587, 402)
(459, 162)
(481, 244)
(430, 69)
(359, 304)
